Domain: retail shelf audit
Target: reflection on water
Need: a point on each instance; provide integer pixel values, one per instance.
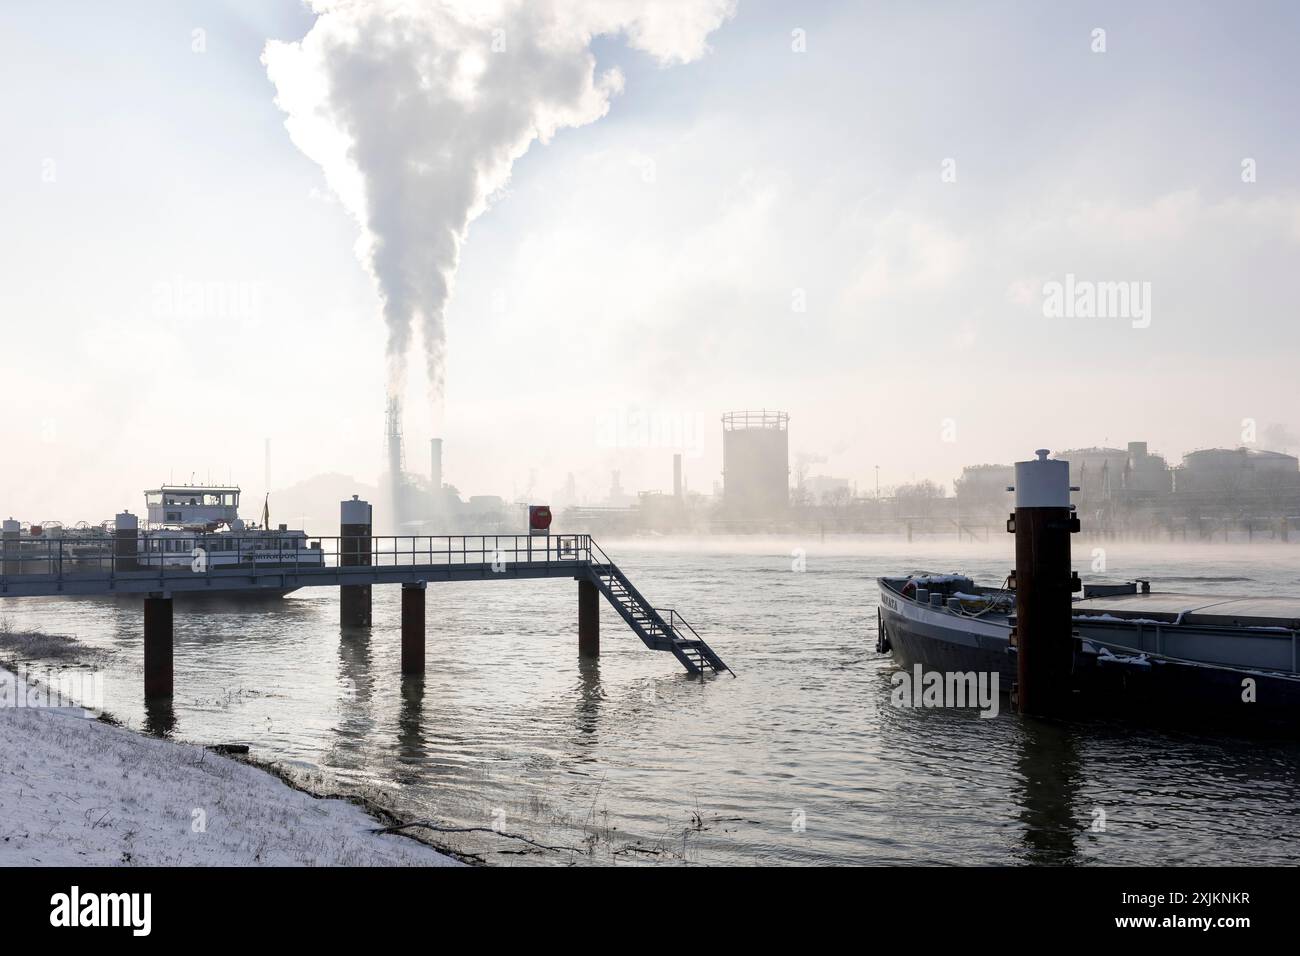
(1048, 767)
(159, 717)
(625, 758)
(590, 696)
(410, 729)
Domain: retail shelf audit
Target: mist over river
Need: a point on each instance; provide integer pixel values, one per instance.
(799, 759)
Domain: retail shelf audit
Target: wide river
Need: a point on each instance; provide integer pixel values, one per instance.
(800, 759)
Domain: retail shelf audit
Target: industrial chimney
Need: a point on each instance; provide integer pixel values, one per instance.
(435, 471)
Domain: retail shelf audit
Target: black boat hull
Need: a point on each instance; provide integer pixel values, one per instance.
(1106, 682)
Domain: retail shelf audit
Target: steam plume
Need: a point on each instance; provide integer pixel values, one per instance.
(417, 109)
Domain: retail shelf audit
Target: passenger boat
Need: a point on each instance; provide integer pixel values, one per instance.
(199, 526)
(1183, 655)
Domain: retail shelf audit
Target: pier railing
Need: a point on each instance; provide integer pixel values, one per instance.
(186, 556)
(157, 565)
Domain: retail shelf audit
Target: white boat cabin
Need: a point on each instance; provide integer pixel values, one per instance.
(199, 526)
(193, 506)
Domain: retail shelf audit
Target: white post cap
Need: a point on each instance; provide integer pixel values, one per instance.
(355, 511)
(1043, 482)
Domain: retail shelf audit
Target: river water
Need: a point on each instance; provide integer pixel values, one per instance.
(799, 759)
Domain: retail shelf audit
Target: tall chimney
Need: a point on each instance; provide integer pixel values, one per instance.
(677, 475)
(435, 472)
(396, 465)
(393, 432)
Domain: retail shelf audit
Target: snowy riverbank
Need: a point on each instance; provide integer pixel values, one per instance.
(78, 792)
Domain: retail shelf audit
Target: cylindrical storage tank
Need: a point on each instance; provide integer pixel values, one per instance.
(356, 545)
(756, 463)
(936, 599)
(126, 542)
(922, 595)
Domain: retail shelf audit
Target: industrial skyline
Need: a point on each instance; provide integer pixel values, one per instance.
(848, 252)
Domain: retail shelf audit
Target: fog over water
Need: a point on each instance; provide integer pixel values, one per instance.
(628, 759)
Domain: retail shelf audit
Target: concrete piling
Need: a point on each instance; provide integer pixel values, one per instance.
(413, 629)
(1042, 523)
(588, 619)
(158, 646)
(355, 548)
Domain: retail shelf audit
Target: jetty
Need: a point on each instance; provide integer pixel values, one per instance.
(353, 561)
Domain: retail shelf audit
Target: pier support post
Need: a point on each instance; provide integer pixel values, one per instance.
(588, 619)
(355, 547)
(126, 542)
(10, 535)
(1042, 524)
(413, 627)
(158, 646)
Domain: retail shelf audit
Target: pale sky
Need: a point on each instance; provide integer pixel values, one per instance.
(761, 227)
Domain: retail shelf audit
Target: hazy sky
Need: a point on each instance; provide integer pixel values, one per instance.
(858, 233)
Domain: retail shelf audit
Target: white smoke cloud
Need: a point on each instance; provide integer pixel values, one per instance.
(417, 109)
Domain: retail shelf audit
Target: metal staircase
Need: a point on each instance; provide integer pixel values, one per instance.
(659, 629)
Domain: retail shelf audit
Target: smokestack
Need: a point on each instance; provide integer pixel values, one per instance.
(677, 475)
(416, 125)
(393, 431)
(435, 470)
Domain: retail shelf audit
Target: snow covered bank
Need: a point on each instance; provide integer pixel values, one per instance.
(78, 792)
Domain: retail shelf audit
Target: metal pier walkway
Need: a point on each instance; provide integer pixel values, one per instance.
(200, 564)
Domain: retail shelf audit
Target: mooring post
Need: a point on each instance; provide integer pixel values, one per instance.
(588, 619)
(1042, 523)
(355, 545)
(413, 627)
(11, 533)
(126, 542)
(158, 646)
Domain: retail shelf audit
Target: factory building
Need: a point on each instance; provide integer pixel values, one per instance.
(984, 487)
(1237, 471)
(1098, 473)
(1147, 475)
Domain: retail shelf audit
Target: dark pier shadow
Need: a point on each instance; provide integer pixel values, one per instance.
(1049, 770)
